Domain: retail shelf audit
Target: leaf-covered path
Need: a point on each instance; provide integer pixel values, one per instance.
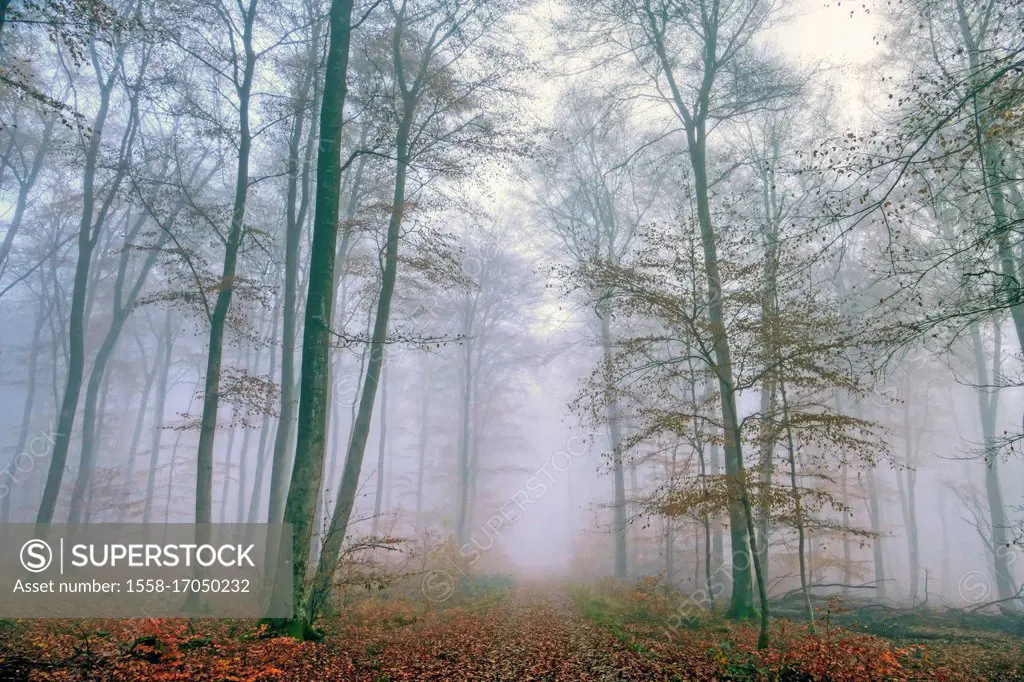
(536, 634)
(532, 632)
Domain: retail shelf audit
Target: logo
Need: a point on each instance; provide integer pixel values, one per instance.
(36, 556)
(974, 587)
(438, 585)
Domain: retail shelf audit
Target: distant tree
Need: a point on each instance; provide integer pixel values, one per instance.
(594, 197)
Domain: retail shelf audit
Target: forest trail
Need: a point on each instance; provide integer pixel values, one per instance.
(536, 633)
(531, 632)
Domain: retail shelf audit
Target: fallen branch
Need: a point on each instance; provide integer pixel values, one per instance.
(979, 607)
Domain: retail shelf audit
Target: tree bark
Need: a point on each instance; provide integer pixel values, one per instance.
(140, 422)
(261, 454)
(314, 404)
(164, 361)
(798, 507)
(361, 427)
(619, 525)
(462, 511)
(296, 207)
(1000, 544)
(424, 433)
(378, 499)
(42, 313)
(218, 319)
(123, 308)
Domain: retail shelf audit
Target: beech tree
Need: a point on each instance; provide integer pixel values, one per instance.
(99, 189)
(313, 405)
(427, 42)
(595, 194)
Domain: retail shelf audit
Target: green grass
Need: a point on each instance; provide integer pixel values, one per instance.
(608, 614)
(483, 591)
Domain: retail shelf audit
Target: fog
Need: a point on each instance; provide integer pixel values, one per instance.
(571, 300)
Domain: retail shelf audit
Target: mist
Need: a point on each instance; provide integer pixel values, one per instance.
(714, 306)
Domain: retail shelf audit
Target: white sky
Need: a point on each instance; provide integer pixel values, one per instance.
(839, 34)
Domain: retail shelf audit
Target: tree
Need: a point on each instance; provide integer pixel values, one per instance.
(595, 195)
(237, 66)
(128, 288)
(307, 94)
(307, 470)
(428, 41)
(988, 406)
(99, 193)
(701, 60)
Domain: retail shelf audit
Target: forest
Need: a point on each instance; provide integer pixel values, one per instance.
(568, 340)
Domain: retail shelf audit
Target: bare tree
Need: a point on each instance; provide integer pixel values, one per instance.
(99, 196)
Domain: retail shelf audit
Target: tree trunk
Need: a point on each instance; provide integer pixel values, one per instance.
(878, 551)
(615, 441)
(798, 506)
(158, 416)
(361, 427)
(908, 503)
(228, 465)
(717, 541)
(740, 525)
(298, 188)
(915, 554)
(218, 319)
(992, 166)
(26, 416)
(123, 308)
(89, 228)
(772, 382)
(314, 403)
(844, 493)
(988, 405)
(140, 422)
(261, 454)
(466, 400)
(945, 587)
(382, 444)
(766, 467)
(424, 433)
(101, 420)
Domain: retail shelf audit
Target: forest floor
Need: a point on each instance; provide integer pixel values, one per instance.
(525, 632)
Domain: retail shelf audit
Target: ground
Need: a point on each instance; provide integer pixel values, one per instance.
(522, 632)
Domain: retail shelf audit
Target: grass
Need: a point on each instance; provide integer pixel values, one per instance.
(911, 646)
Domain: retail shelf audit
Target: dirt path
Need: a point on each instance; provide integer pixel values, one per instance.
(536, 634)
(531, 633)
(544, 636)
